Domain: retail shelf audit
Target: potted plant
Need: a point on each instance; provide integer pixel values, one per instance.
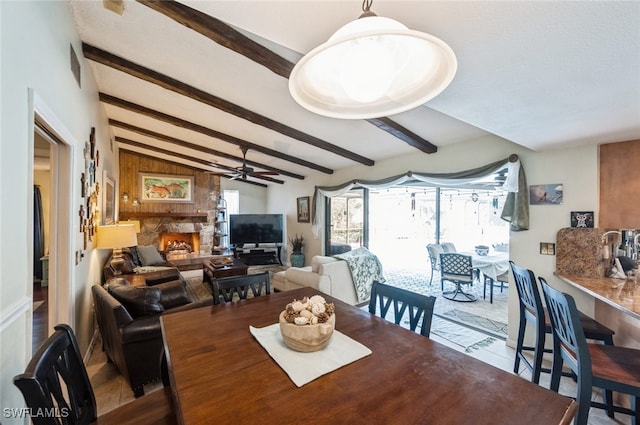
(297, 257)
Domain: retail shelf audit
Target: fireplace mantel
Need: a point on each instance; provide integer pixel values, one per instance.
(128, 215)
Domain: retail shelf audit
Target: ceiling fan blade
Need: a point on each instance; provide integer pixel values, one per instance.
(266, 173)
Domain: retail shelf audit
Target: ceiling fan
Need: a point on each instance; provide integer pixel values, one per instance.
(243, 172)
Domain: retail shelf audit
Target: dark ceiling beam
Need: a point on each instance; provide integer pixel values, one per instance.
(133, 143)
(179, 122)
(223, 34)
(232, 39)
(124, 104)
(188, 166)
(392, 127)
(200, 148)
(109, 59)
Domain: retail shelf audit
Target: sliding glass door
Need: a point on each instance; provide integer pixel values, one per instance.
(347, 221)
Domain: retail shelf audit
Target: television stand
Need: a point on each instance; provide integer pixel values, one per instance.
(258, 256)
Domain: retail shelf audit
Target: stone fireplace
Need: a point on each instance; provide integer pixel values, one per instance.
(166, 231)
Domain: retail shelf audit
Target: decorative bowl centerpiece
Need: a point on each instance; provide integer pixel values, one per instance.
(307, 325)
(482, 250)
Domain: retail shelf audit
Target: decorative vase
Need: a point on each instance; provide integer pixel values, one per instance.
(297, 259)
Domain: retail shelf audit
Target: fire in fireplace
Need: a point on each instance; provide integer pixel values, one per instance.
(179, 243)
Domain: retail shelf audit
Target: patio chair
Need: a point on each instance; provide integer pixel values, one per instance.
(500, 281)
(458, 269)
(595, 365)
(56, 382)
(449, 247)
(434, 250)
(419, 307)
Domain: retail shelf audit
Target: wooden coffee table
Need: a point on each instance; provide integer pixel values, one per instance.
(236, 268)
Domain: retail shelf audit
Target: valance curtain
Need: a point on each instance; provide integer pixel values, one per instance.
(515, 211)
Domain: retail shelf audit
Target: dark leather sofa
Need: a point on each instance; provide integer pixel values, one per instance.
(130, 326)
(132, 262)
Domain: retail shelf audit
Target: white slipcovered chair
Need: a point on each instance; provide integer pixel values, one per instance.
(326, 274)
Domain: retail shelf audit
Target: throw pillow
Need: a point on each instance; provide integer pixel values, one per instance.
(173, 294)
(149, 255)
(138, 300)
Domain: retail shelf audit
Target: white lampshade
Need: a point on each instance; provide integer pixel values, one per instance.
(116, 237)
(372, 67)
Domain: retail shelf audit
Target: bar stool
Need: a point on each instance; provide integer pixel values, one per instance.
(531, 309)
(595, 365)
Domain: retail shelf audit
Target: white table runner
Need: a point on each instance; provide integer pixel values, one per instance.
(303, 368)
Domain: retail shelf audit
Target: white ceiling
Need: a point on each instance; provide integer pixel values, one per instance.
(541, 74)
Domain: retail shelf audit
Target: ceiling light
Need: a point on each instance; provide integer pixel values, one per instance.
(372, 67)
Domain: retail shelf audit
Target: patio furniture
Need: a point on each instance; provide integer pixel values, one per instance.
(596, 365)
(418, 307)
(434, 250)
(458, 269)
(500, 281)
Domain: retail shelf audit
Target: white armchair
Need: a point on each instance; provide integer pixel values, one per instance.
(326, 274)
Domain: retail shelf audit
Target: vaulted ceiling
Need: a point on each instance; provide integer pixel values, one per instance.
(194, 81)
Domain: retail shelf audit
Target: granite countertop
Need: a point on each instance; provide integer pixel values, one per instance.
(623, 294)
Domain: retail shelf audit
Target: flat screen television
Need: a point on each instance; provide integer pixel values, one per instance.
(255, 228)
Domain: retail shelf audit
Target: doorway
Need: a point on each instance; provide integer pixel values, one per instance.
(41, 231)
(60, 245)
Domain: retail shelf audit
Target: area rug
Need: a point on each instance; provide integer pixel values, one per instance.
(453, 332)
(479, 323)
(37, 304)
(460, 335)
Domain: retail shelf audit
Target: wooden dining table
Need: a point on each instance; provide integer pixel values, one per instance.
(219, 373)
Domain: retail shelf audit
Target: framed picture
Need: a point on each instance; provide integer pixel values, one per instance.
(581, 218)
(166, 188)
(303, 210)
(108, 199)
(546, 194)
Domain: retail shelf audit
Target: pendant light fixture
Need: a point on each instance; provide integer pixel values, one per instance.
(372, 67)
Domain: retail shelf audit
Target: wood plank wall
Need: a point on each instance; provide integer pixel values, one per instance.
(620, 185)
(132, 164)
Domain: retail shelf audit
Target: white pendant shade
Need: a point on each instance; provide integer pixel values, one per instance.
(372, 67)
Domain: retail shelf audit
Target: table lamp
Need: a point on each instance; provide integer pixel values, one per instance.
(117, 237)
(136, 223)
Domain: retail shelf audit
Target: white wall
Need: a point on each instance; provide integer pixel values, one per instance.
(35, 39)
(576, 168)
(252, 198)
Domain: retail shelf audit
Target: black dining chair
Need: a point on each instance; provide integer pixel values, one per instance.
(595, 365)
(56, 384)
(418, 307)
(532, 311)
(458, 269)
(226, 288)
